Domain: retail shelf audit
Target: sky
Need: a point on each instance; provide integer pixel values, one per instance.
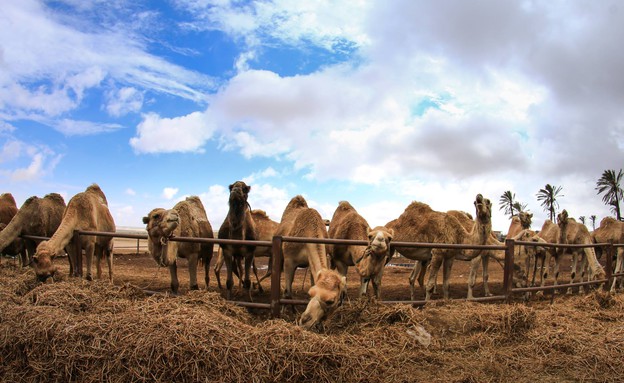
(379, 103)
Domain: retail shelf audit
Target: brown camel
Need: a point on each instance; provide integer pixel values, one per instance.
(266, 230)
(239, 225)
(329, 286)
(37, 216)
(519, 276)
(572, 232)
(612, 231)
(8, 210)
(187, 219)
(87, 211)
(420, 223)
(518, 223)
(370, 259)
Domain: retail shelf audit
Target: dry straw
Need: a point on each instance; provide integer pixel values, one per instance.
(92, 331)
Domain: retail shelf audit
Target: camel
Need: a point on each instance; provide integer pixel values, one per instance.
(572, 232)
(238, 224)
(329, 287)
(8, 210)
(266, 230)
(186, 219)
(612, 231)
(37, 216)
(87, 211)
(369, 260)
(420, 223)
(518, 223)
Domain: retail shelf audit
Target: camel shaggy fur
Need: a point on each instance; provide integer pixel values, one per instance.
(38, 217)
(8, 210)
(420, 223)
(238, 224)
(186, 219)
(612, 231)
(87, 211)
(329, 286)
(347, 223)
(266, 228)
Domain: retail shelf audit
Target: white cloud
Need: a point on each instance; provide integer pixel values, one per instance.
(130, 191)
(26, 162)
(82, 128)
(169, 193)
(123, 101)
(180, 134)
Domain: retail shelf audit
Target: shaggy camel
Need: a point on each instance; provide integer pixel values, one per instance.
(87, 211)
(266, 230)
(37, 216)
(612, 231)
(420, 223)
(187, 219)
(238, 224)
(329, 286)
(8, 210)
(347, 223)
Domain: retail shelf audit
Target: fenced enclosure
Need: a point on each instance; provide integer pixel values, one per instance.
(276, 301)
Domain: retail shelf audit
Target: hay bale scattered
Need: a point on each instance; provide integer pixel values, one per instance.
(91, 331)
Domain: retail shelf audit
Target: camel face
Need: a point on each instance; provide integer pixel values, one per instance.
(525, 219)
(42, 262)
(239, 191)
(161, 225)
(378, 249)
(325, 296)
(483, 208)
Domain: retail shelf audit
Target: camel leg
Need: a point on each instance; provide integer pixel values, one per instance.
(363, 286)
(98, 262)
(446, 276)
(289, 274)
(173, 271)
(206, 255)
(583, 272)
(573, 270)
(192, 269)
(229, 264)
(472, 277)
(249, 260)
(412, 279)
(109, 261)
(619, 266)
(255, 271)
(217, 267)
(89, 250)
(377, 284)
(485, 260)
(436, 262)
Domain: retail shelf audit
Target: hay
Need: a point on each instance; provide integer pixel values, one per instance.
(91, 331)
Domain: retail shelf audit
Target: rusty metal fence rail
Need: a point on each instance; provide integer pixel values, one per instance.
(276, 244)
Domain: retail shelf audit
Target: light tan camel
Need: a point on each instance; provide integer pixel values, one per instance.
(572, 232)
(518, 223)
(266, 230)
(612, 231)
(347, 223)
(239, 225)
(87, 211)
(519, 276)
(8, 210)
(186, 219)
(420, 223)
(38, 217)
(329, 286)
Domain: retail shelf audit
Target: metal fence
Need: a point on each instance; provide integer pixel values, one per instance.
(276, 301)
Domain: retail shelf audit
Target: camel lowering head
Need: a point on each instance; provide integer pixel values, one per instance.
(326, 295)
(161, 224)
(377, 252)
(42, 262)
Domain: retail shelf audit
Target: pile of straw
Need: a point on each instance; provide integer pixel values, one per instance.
(92, 331)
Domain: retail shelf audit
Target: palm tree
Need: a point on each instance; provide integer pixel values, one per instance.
(519, 206)
(592, 218)
(609, 184)
(548, 198)
(582, 219)
(507, 202)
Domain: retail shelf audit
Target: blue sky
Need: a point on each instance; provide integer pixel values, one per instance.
(375, 102)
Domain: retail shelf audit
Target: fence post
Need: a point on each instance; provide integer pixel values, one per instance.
(508, 269)
(276, 275)
(77, 254)
(609, 266)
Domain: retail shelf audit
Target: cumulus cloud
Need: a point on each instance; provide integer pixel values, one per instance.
(169, 193)
(123, 101)
(26, 162)
(180, 134)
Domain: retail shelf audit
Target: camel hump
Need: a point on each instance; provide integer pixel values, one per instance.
(95, 189)
(29, 201)
(259, 213)
(298, 202)
(8, 198)
(607, 221)
(55, 197)
(345, 205)
(419, 206)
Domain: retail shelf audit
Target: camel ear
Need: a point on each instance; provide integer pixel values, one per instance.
(316, 279)
(530, 215)
(247, 189)
(145, 220)
(231, 186)
(391, 232)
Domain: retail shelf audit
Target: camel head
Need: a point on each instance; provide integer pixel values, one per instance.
(377, 252)
(562, 218)
(42, 262)
(525, 219)
(239, 191)
(161, 224)
(325, 296)
(483, 208)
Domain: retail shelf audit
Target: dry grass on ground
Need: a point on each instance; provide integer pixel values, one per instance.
(82, 331)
